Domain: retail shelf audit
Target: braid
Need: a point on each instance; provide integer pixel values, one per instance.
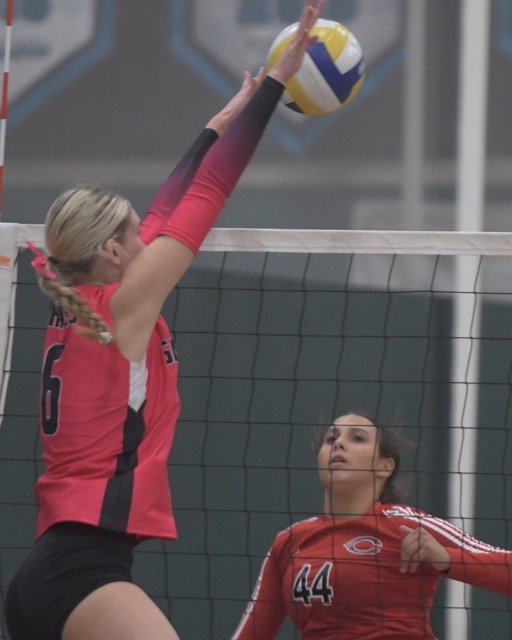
(79, 223)
(71, 301)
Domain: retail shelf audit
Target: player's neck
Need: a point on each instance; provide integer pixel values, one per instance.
(348, 507)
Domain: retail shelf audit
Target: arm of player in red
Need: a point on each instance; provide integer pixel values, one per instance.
(460, 556)
(488, 568)
(266, 611)
(221, 168)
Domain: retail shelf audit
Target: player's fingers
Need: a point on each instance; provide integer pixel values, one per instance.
(416, 558)
(261, 74)
(306, 16)
(405, 556)
(410, 562)
(317, 11)
(410, 550)
(251, 83)
(247, 79)
(310, 15)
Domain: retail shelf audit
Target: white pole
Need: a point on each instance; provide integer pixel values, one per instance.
(474, 62)
(414, 115)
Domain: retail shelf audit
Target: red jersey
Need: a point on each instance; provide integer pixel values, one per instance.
(107, 428)
(339, 578)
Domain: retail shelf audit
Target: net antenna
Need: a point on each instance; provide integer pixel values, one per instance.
(5, 341)
(5, 93)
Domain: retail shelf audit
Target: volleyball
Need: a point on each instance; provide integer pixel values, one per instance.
(331, 73)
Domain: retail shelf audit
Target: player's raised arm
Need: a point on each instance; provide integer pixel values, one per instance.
(176, 185)
(153, 274)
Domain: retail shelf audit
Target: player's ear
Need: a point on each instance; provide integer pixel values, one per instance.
(111, 249)
(385, 467)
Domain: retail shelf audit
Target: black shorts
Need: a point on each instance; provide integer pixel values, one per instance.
(68, 562)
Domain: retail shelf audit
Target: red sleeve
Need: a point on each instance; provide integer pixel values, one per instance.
(481, 565)
(472, 561)
(266, 610)
(221, 168)
(173, 189)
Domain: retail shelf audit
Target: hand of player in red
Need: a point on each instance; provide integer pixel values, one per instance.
(418, 546)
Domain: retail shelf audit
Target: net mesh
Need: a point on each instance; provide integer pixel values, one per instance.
(277, 332)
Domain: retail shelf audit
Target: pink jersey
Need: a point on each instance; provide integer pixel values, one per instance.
(107, 428)
(341, 578)
(108, 424)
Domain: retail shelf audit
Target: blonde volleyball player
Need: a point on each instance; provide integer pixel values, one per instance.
(109, 405)
(368, 566)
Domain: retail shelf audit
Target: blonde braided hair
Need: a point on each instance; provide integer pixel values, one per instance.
(69, 300)
(77, 226)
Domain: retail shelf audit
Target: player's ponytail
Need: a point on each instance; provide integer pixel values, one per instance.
(77, 226)
(390, 446)
(69, 300)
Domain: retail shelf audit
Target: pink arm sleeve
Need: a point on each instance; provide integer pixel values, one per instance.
(176, 185)
(221, 168)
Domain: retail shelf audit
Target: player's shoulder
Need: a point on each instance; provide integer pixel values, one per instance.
(296, 528)
(393, 510)
(97, 293)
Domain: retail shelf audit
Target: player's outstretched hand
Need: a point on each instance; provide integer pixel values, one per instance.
(418, 546)
(223, 119)
(289, 63)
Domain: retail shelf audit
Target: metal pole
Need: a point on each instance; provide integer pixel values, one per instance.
(414, 114)
(474, 62)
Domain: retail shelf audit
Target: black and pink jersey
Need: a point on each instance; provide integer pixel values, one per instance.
(107, 423)
(107, 428)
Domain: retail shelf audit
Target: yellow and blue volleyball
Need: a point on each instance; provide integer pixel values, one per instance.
(331, 73)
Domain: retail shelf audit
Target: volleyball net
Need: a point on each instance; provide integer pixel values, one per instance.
(279, 331)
